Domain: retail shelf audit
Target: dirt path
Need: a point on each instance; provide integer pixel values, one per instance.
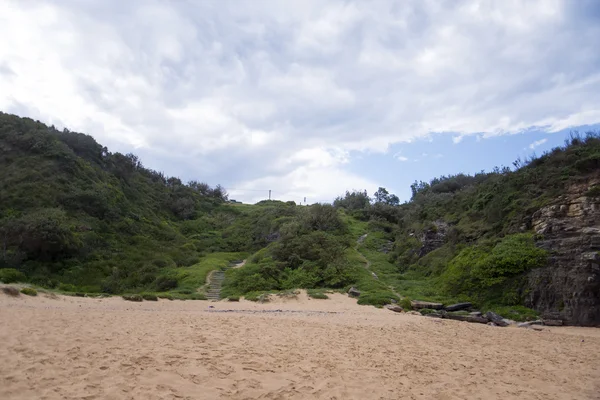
(214, 282)
(359, 241)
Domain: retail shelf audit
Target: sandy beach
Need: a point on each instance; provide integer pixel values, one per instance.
(55, 347)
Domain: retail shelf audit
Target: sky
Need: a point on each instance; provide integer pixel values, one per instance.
(307, 98)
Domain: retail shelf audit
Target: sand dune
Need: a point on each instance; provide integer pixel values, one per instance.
(80, 348)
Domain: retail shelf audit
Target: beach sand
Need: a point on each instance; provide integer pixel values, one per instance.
(82, 348)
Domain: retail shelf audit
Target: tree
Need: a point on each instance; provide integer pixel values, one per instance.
(354, 200)
(381, 195)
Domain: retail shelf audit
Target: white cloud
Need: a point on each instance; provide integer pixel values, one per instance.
(537, 143)
(240, 92)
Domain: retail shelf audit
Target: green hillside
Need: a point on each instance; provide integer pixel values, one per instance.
(76, 217)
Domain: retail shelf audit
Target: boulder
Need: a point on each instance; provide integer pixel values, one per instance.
(495, 318)
(458, 307)
(353, 292)
(552, 322)
(468, 318)
(434, 315)
(394, 308)
(416, 304)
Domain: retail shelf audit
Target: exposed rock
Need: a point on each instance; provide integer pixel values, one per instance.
(491, 324)
(362, 238)
(387, 247)
(394, 308)
(458, 307)
(552, 322)
(509, 321)
(417, 304)
(495, 318)
(468, 318)
(414, 313)
(568, 288)
(434, 315)
(476, 314)
(353, 292)
(433, 238)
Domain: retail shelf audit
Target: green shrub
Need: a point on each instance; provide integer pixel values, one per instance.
(29, 291)
(167, 296)
(517, 313)
(378, 299)
(132, 297)
(164, 283)
(11, 275)
(405, 303)
(476, 269)
(233, 298)
(66, 287)
(197, 296)
(149, 296)
(427, 311)
(252, 296)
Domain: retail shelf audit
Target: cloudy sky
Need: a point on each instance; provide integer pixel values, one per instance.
(307, 98)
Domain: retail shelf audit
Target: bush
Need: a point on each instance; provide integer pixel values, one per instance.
(163, 283)
(475, 269)
(197, 296)
(67, 287)
(132, 297)
(316, 294)
(11, 275)
(233, 298)
(377, 299)
(405, 303)
(29, 291)
(10, 291)
(167, 296)
(149, 297)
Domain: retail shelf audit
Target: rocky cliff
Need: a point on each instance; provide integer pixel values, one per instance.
(568, 288)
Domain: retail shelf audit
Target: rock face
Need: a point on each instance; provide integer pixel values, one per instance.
(568, 288)
(433, 238)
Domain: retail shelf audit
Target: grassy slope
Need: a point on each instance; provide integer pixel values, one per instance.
(194, 276)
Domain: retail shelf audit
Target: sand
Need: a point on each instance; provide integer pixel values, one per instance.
(80, 348)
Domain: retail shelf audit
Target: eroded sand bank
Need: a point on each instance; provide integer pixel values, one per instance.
(80, 348)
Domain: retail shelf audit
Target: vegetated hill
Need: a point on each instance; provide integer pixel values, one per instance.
(528, 237)
(76, 217)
